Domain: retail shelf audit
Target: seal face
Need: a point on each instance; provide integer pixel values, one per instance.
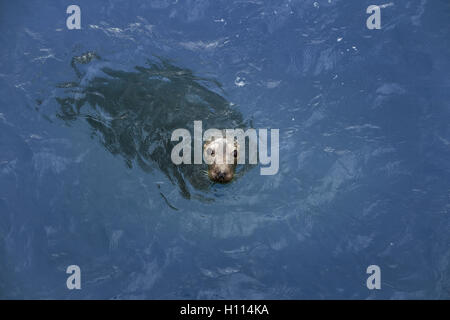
(221, 155)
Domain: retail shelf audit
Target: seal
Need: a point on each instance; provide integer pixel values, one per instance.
(133, 114)
(221, 154)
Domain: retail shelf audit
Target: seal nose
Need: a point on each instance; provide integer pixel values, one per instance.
(221, 176)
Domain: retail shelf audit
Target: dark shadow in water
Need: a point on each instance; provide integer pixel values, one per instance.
(135, 112)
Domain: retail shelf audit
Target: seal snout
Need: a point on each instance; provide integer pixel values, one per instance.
(221, 174)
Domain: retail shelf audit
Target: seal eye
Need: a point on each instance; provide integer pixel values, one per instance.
(211, 152)
(235, 153)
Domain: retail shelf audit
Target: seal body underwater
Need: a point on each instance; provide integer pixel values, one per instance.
(135, 112)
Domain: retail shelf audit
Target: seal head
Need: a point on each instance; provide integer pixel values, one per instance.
(221, 155)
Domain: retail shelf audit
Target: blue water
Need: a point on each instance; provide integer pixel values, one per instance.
(364, 153)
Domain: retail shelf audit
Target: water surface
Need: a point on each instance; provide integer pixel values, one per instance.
(364, 149)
